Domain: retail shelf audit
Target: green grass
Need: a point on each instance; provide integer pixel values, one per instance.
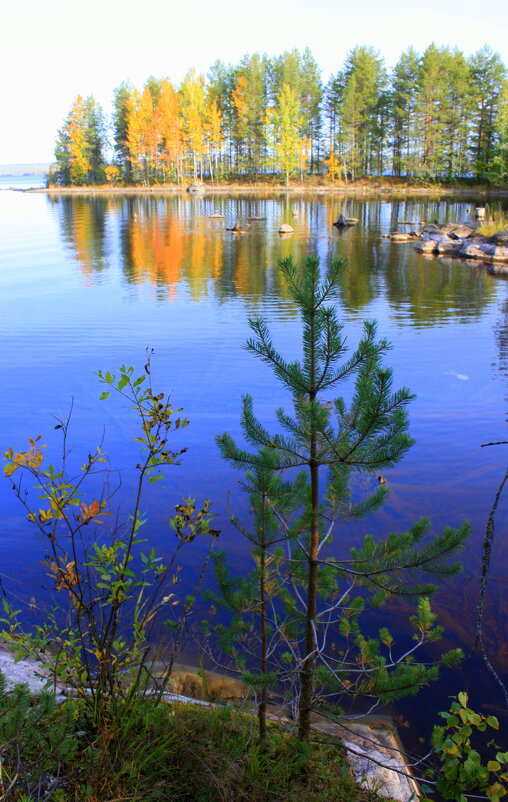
(496, 221)
(186, 753)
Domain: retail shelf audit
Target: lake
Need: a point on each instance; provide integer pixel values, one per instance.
(89, 282)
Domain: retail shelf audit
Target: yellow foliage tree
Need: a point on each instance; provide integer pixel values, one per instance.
(139, 134)
(171, 142)
(80, 164)
(213, 135)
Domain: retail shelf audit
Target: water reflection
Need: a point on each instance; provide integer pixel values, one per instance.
(174, 240)
(83, 227)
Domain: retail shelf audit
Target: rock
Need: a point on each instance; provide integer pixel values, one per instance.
(458, 230)
(426, 246)
(384, 780)
(498, 269)
(479, 212)
(478, 249)
(346, 222)
(196, 188)
(450, 246)
(397, 236)
(236, 228)
(216, 215)
(28, 671)
(206, 686)
(461, 240)
(285, 228)
(501, 253)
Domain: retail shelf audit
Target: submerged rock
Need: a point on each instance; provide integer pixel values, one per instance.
(285, 228)
(236, 228)
(346, 222)
(398, 236)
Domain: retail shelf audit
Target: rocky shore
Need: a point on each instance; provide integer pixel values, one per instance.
(464, 241)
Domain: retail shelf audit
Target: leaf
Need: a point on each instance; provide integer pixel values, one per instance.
(104, 396)
(463, 698)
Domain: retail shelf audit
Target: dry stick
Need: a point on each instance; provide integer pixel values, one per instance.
(487, 548)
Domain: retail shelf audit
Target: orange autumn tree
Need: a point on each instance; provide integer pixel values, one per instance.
(333, 166)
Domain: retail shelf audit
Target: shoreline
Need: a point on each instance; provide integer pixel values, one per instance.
(373, 745)
(256, 189)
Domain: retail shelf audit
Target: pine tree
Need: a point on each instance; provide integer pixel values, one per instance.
(121, 108)
(487, 76)
(403, 113)
(367, 436)
(249, 600)
(79, 149)
(361, 119)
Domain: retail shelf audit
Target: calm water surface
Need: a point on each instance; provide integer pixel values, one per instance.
(90, 283)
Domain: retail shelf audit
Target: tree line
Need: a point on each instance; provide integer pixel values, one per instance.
(437, 116)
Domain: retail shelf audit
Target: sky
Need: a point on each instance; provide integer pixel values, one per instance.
(53, 50)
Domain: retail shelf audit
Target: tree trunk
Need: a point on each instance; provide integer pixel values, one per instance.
(307, 669)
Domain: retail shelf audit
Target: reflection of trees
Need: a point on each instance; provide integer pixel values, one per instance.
(83, 226)
(170, 240)
(501, 336)
(176, 240)
(423, 289)
(420, 289)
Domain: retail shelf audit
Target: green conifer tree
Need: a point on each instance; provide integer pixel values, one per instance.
(252, 628)
(367, 435)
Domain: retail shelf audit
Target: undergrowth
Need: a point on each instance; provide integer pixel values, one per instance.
(182, 753)
(496, 221)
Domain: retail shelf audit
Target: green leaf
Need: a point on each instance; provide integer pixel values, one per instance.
(463, 698)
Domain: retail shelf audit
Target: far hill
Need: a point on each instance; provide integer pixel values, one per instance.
(38, 168)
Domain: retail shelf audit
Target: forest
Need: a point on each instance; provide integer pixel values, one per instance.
(435, 117)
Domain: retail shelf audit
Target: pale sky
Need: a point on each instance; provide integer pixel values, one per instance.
(52, 50)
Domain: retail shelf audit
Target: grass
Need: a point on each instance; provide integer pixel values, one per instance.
(496, 221)
(186, 753)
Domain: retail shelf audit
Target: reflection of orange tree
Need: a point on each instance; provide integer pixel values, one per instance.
(162, 252)
(156, 249)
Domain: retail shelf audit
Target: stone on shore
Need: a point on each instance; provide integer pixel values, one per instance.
(457, 239)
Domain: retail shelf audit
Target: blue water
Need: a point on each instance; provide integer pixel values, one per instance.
(90, 283)
(22, 181)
